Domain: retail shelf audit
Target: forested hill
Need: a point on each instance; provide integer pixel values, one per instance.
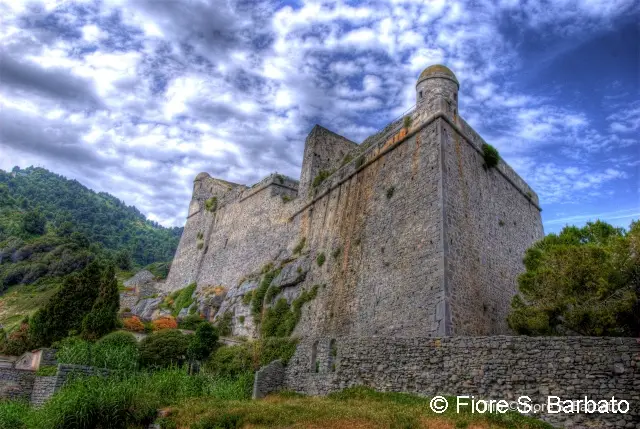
(69, 207)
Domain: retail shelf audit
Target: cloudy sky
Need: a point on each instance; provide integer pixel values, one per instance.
(135, 97)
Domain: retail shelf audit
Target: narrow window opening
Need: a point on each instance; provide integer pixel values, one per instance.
(225, 243)
(315, 365)
(333, 354)
(420, 95)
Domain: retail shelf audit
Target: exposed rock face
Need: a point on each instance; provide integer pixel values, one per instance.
(140, 278)
(147, 308)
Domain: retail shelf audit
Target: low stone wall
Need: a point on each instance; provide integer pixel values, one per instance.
(16, 383)
(497, 367)
(43, 389)
(268, 379)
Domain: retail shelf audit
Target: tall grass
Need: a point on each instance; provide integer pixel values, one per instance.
(120, 401)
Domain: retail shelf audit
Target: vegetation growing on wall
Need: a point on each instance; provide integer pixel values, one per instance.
(320, 259)
(258, 296)
(583, 281)
(321, 177)
(390, 191)
(359, 161)
(490, 155)
(300, 246)
(224, 324)
(211, 205)
(407, 121)
(281, 319)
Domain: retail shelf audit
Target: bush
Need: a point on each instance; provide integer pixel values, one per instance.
(407, 121)
(75, 351)
(164, 348)
(184, 298)
(46, 370)
(211, 204)
(34, 222)
(321, 177)
(18, 341)
(231, 361)
(281, 319)
(490, 155)
(224, 324)
(165, 322)
(277, 348)
(320, 259)
(203, 342)
(258, 295)
(117, 339)
(133, 323)
(359, 161)
(191, 322)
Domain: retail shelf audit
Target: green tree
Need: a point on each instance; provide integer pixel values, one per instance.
(583, 281)
(203, 342)
(103, 316)
(34, 222)
(67, 308)
(164, 348)
(123, 260)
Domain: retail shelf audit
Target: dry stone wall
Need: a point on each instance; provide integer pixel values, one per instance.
(498, 367)
(268, 379)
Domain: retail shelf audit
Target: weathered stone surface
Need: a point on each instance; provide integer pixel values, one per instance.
(145, 308)
(140, 278)
(498, 367)
(292, 273)
(268, 379)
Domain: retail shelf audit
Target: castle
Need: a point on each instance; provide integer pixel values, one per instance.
(407, 234)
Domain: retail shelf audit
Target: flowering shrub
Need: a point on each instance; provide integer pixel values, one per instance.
(133, 323)
(166, 322)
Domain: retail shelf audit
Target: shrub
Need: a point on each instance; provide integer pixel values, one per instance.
(359, 161)
(286, 198)
(211, 204)
(191, 322)
(123, 357)
(281, 319)
(320, 259)
(320, 177)
(117, 339)
(184, 298)
(133, 323)
(203, 342)
(246, 298)
(164, 348)
(277, 348)
(224, 324)
(18, 341)
(407, 121)
(259, 294)
(164, 322)
(490, 155)
(231, 361)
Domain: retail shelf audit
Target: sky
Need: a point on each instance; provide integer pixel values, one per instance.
(136, 97)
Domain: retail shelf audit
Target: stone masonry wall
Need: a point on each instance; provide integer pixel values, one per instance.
(497, 367)
(489, 224)
(16, 383)
(268, 379)
(379, 229)
(43, 389)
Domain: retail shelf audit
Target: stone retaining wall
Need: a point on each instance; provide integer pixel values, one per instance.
(16, 383)
(499, 367)
(268, 379)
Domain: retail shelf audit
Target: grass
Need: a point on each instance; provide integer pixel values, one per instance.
(119, 402)
(24, 300)
(352, 408)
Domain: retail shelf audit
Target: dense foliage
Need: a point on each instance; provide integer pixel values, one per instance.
(87, 302)
(35, 197)
(164, 348)
(121, 400)
(583, 281)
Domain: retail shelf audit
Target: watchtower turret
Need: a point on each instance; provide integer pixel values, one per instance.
(437, 89)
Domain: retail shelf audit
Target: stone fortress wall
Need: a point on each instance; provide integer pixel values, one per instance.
(403, 221)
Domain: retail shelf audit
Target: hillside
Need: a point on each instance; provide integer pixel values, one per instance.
(100, 217)
(51, 227)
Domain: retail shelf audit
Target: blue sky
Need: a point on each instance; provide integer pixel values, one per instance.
(136, 97)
